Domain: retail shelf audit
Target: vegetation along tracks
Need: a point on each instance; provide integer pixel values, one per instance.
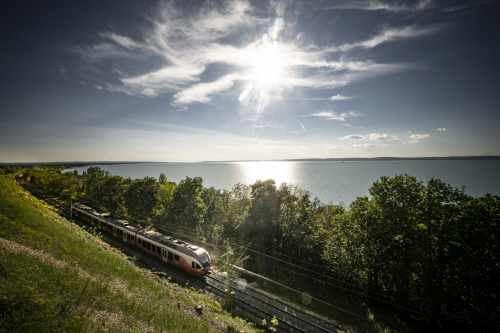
(262, 307)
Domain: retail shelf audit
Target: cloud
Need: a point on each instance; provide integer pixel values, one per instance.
(391, 6)
(123, 41)
(382, 137)
(353, 137)
(331, 115)
(441, 129)
(340, 97)
(385, 36)
(370, 140)
(101, 51)
(466, 6)
(265, 66)
(201, 92)
(417, 137)
(364, 145)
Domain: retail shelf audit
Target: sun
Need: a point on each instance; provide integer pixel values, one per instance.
(267, 64)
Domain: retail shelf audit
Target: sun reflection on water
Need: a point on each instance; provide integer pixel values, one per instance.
(279, 171)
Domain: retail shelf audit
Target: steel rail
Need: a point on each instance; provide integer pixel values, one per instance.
(284, 312)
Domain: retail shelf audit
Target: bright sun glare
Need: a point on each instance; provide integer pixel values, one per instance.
(268, 68)
(267, 64)
(279, 171)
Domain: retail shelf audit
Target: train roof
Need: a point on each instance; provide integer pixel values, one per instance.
(177, 244)
(174, 243)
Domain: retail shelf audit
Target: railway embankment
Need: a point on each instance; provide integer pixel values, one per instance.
(55, 277)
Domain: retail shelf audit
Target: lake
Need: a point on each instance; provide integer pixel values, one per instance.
(330, 181)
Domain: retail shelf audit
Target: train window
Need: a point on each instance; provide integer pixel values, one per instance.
(176, 257)
(198, 266)
(193, 264)
(158, 250)
(170, 256)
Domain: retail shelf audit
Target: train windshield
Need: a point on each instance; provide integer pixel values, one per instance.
(205, 260)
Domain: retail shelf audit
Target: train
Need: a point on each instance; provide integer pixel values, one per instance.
(190, 258)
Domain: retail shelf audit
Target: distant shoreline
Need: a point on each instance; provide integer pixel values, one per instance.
(69, 164)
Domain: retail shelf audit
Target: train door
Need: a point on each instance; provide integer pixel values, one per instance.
(164, 254)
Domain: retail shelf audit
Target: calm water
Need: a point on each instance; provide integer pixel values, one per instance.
(339, 182)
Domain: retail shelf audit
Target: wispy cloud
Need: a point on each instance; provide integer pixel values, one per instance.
(353, 137)
(340, 97)
(382, 137)
(122, 41)
(385, 36)
(417, 137)
(364, 145)
(269, 65)
(337, 116)
(201, 92)
(391, 6)
(466, 6)
(372, 137)
(441, 129)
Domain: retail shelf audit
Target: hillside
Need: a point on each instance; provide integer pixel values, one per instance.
(54, 276)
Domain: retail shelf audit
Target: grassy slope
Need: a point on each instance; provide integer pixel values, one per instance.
(56, 277)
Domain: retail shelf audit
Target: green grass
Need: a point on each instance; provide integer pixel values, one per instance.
(54, 276)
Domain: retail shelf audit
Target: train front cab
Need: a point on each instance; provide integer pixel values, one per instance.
(184, 262)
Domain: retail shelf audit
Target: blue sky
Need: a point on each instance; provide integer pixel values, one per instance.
(230, 80)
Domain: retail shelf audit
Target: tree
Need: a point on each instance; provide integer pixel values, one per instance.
(187, 207)
(141, 199)
(296, 230)
(165, 195)
(235, 208)
(95, 178)
(113, 196)
(399, 201)
(441, 206)
(261, 226)
(162, 179)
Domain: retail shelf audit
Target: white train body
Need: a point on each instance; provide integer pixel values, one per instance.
(188, 257)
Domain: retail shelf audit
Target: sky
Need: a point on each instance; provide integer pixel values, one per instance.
(248, 80)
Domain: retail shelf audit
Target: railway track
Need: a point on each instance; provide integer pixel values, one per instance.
(289, 317)
(248, 302)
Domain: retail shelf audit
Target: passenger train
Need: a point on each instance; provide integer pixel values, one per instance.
(188, 257)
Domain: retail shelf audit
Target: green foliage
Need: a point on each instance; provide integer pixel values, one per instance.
(261, 225)
(94, 186)
(113, 197)
(426, 246)
(141, 198)
(55, 277)
(165, 195)
(187, 206)
(162, 179)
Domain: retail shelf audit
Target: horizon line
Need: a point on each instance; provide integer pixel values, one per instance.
(88, 162)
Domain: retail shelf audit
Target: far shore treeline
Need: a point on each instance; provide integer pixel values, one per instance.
(425, 246)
